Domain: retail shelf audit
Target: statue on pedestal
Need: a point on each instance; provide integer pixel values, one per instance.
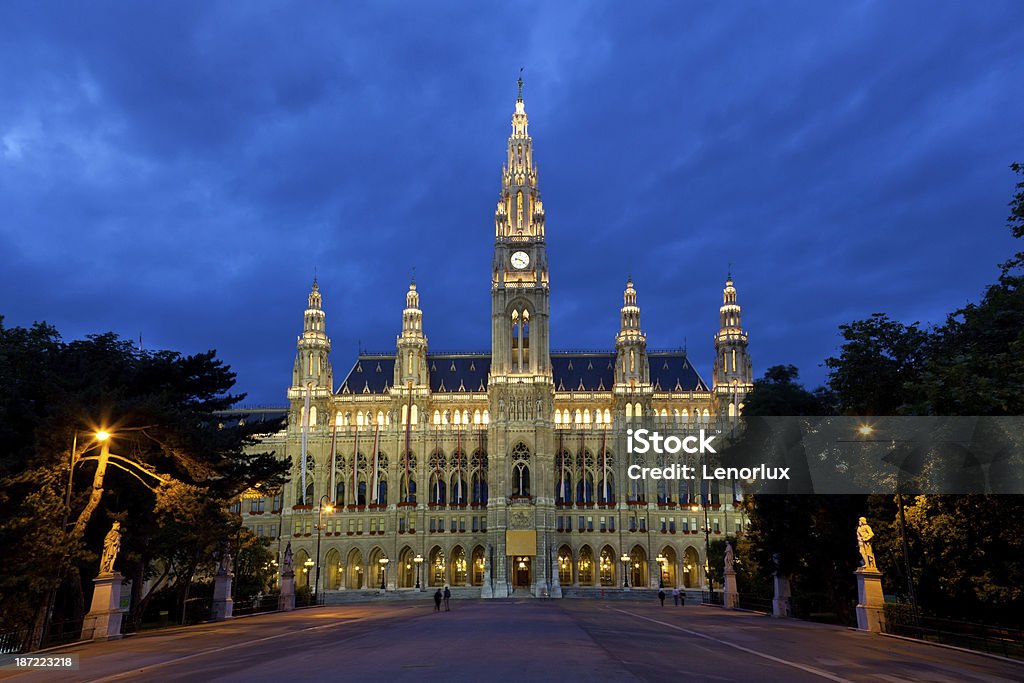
(111, 546)
(729, 558)
(224, 567)
(864, 536)
(288, 561)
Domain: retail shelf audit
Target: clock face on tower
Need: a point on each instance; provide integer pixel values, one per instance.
(520, 260)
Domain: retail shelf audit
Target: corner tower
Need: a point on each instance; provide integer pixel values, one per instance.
(411, 362)
(312, 367)
(733, 373)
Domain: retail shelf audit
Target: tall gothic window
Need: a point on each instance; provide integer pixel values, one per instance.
(520, 470)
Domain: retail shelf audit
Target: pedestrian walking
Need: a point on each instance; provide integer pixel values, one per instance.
(675, 596)
(437, 600)
(661, 596)
(447, 599)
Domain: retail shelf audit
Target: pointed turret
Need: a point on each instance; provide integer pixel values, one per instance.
(520, 211)
(733, 373)
(631, 367)
(312, 366)
(411, 365)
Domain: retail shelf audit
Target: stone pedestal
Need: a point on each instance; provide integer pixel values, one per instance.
(870, 613)
(780, 602)
(286, 601)
(731, 596)
(223, 605)
(103, 622)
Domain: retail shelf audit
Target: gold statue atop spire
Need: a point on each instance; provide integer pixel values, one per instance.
(521, 84)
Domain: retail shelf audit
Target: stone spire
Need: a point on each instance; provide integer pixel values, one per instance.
(520, 212)
(631, 344)
(733, 373)
(312, 366)
(411, 362)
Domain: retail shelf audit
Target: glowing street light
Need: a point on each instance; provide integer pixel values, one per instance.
(383, 572)
(419, 562)
(624, 558)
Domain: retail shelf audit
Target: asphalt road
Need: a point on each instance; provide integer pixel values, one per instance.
(528, 640)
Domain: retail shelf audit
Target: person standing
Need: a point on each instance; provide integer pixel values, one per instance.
(437, 600)
(447, 599)
(675, 596)
(661, 596)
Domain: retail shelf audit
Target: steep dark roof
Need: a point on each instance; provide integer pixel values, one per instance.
(573, 371)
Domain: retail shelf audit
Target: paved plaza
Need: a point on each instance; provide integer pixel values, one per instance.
(528, 640)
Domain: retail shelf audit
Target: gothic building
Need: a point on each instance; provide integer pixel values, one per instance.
(506, 470)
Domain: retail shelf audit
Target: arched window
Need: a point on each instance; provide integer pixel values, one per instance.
(359, 419)
(487, 416)
(585, 488)
(339, 489)
(637, 410)
(520, 470)
(458, 489)
(632, 361)
(456, 417)
(437, 417)
(415, 415)
(408, 488)
(558, 417)
(476, 416)
(579, 416)
(438, 490)
(405, 414)
(519, 209)
(607, 416)
(629, 411)
(380, 417)
(563, 484)
(312, 416)
(586, 417)
(606, 488)
(565, 416)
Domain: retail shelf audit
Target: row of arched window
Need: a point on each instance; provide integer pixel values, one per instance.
(633, 410)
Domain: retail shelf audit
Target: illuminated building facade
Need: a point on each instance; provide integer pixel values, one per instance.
(502, 471)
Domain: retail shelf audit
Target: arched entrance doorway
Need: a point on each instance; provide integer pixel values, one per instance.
(638, 567)
(668, 567)
(354, 569)
(332, 570)
(565, 565)
(585, 572)
(522, 571)
(478, 565)
(303, 565)
(435, 567)
(691, 568)
(376, 569)
(607, 566)
(458, 566)
(406, 569)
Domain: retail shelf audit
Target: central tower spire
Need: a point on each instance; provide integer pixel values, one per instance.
(520, 211)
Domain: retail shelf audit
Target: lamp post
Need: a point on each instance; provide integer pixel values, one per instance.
(319, 530)
(305, 570)
(624, 558)
(383, 572)
(418, 560)
(661, 560)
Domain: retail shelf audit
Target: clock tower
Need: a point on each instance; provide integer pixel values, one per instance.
(521, 391)
(519, 281)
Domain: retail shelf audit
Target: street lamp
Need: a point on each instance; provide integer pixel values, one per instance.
(383, 572)
(319, 529)
(624, 558)
(661, 560)
(419, 563)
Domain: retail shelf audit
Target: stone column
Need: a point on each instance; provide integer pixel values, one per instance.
(731, 597)
(223, 605)
(870, 614)
(103, 622)
(780, 602)
(286, 601)
(486, 590)
(556, 585)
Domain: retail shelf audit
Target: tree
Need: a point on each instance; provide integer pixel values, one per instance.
(182, 460)
(879, 366)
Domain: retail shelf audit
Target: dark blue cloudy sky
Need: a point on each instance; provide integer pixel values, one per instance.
(178, 170)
